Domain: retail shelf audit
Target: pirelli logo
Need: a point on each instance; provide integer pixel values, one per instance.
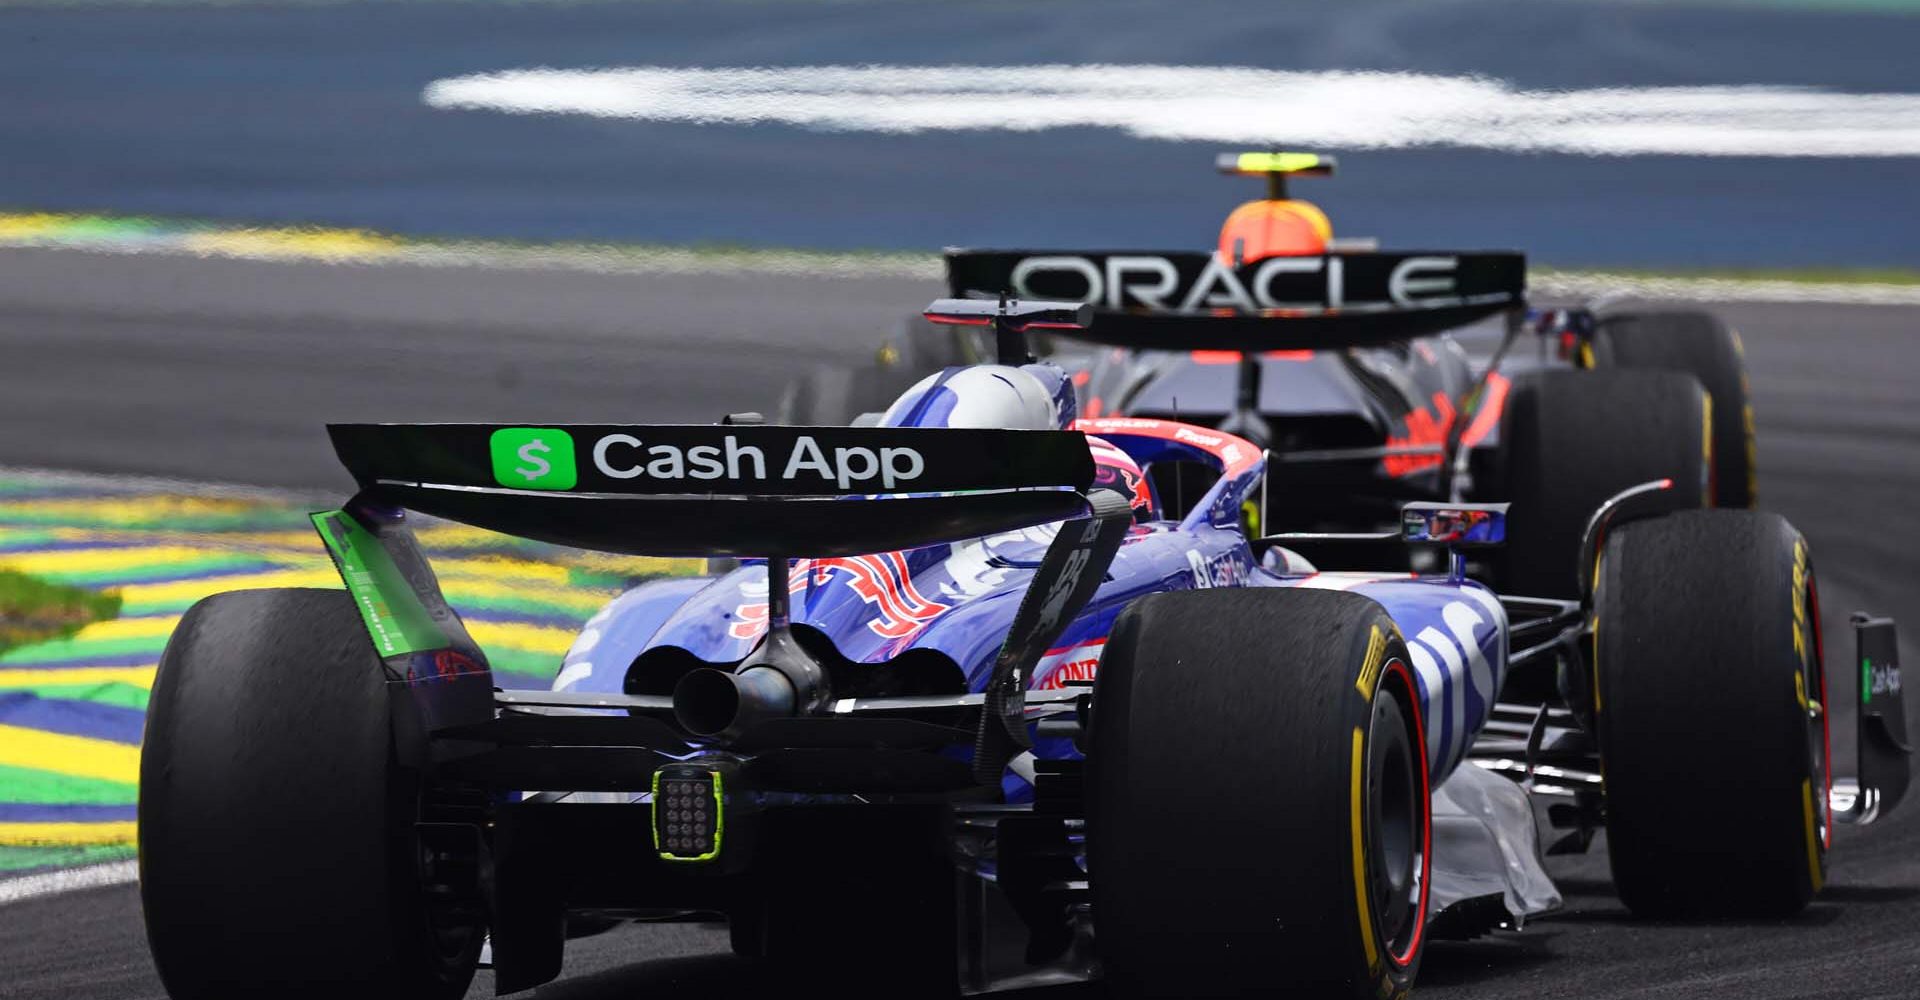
(1375, 661)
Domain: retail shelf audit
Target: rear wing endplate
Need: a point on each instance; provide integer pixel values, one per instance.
(1886, 751)
(1187, 300)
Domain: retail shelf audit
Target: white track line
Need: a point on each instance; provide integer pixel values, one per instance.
(17, 890)
(1343, 109)
(1578, 284)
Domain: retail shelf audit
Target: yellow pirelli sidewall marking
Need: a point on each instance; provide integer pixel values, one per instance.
(72, 755)
(1801, 647)
(1360, 851)
(1586, 355)
(1813, 837)
(1706, 446)
(67, 834)
(1371, 666)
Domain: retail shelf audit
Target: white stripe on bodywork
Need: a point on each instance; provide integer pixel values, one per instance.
(1461, 621)
(1456, 707)
(1435, 682)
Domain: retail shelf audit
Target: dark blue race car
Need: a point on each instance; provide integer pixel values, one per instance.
(975, 706)
(1553, 409)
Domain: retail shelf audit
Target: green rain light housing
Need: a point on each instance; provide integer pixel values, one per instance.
(688, 813)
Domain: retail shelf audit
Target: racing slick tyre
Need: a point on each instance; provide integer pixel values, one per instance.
(1709, 713)
(278, 853)
(1699, 344)
(1571, 440)
(1259, 816)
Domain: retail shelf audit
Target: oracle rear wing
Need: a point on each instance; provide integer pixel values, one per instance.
(1197, 301)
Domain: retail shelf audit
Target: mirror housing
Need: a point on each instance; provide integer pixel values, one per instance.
(1461, 525)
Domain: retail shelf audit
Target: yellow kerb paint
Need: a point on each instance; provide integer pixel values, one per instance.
(73, 755)
(141, 677)
(67, 834)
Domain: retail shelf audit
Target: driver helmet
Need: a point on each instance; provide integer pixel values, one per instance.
(1116, 470)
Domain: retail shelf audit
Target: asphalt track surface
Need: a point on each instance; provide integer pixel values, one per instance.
(311, 113)
(225, 370)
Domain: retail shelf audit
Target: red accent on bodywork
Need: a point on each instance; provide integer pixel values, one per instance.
(1235, 453)
(1487, 417)
(1233, 357)
(1398, 667)
(1425, 429)
(1428, 428)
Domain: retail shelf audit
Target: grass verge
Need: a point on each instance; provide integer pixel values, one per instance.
(31, 609)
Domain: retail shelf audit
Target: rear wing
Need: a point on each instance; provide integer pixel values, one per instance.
(686, 490)
(1187, 300)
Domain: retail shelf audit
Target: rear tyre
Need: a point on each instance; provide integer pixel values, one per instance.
(1698, 344)
(1570, 440)
(1709, 712)
(278, 853)
(1259, 814)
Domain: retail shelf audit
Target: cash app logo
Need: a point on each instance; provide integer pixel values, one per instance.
(533, 458)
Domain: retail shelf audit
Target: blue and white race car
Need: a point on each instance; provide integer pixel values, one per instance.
(974, 709)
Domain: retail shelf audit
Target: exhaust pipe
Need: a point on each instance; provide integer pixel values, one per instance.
(718, 705)
(780, 680)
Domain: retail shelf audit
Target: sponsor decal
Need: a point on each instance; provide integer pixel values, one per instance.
(1076, 664)
(1223, 570)
(441, 665)
(881, 580)
(1876, 681)
(544, 458)
(624, 456)
(1054, 605)
(1237, 454)
(1154, 283)
(533, 458)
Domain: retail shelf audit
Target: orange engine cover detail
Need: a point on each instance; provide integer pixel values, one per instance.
(1269, 228)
